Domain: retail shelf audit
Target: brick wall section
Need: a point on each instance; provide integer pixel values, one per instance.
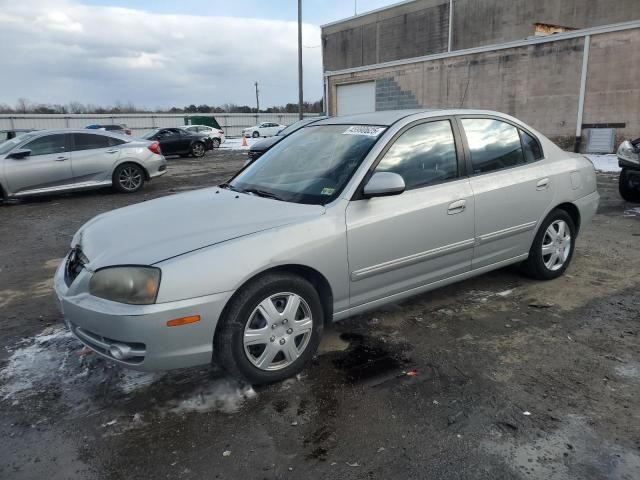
(389, 96)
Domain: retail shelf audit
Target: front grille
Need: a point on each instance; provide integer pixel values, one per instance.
(75, 263)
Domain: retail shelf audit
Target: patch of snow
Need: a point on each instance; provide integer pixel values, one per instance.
(36, 361)
(133, 380)
(223, 395)
(632, 212)
(605, 163)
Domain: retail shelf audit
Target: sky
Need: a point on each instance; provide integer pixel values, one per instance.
(162, 53)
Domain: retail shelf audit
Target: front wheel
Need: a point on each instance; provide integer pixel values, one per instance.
(629, 186)
(271, 329)
(552, 247)
(198, 149)
(255, 134)
(216, 142)
(128, 178)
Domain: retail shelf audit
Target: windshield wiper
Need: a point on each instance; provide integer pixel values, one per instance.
(263, 193)
(228, 186)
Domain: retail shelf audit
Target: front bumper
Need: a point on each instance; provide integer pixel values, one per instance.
(100, 324)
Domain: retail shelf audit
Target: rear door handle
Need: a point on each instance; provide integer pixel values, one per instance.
(457, 207)
(62, 159)
(543, 184)
(112, 151)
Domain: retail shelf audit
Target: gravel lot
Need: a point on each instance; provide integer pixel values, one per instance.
(495, 377)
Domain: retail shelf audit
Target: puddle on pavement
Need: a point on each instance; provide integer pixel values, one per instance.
(369, 361)
(53, 374)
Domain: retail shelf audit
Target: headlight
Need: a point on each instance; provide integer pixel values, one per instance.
(132, 285)
(627, 152)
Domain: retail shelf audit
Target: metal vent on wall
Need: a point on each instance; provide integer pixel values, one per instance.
(601, 140)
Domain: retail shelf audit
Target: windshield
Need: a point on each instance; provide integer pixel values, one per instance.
(7, 146)
(311, 166)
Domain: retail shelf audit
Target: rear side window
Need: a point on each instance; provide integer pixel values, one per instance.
(423, 155)
(46, 145)
(493, 144)
(115, 141)
(87, 141)
(532, 150)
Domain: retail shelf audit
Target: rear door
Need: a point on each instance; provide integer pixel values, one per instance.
(46, 168)
(511, 185)
(93, 157)
(424, 235)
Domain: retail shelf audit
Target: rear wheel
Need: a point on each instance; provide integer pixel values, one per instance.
(629, 186)
(128, 178)
(271, 329)
(198, 149)
(552, 247)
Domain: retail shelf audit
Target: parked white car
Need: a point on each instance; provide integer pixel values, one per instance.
(216, 136)
(265, 129)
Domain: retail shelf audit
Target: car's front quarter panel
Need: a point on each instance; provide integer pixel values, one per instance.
(318, 243)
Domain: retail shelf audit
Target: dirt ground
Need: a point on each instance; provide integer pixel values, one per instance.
(496, 377)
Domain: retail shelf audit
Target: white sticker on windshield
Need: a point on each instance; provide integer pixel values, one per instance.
(364, 130)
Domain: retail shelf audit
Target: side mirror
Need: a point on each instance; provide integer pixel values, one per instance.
(20, 153)
(384, 184)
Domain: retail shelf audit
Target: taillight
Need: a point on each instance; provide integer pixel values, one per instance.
(221, 132)
(155, 148)
(127, 131)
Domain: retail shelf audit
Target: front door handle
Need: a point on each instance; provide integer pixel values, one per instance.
(112, 151)
(62, 158)
(457, 207)
(543, 184)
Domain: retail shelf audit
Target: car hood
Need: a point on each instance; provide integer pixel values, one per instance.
(265, 144)
(149, 232)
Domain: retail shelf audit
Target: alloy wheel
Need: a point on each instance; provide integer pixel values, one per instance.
(556, 245)
(278, 331)
(198, 150)
(130, 178)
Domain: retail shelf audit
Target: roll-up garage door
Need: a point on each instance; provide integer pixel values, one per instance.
(357, 98)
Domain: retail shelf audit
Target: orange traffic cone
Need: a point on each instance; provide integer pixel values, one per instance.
(244, 142)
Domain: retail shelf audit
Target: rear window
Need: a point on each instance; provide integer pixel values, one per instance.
(87, 141)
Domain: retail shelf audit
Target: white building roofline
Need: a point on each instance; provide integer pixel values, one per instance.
(615, 27)
(370, 12)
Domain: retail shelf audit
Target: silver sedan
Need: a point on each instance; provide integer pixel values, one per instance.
(343, 216)
(52, 161)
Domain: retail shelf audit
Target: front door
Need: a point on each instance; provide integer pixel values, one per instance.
(512, 188)
(47, 167)
(421, 236)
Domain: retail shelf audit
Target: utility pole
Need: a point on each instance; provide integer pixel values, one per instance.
(355, 8)
(300, 92)
(257, 98)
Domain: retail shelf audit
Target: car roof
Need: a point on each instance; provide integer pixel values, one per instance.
(87, 131)
(389, 117)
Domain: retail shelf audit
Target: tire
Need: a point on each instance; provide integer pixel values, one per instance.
(256, 134)
(128, 178)
(540, 265)
(198, 149)
(216, 142)
(629, 186)
(284, 349)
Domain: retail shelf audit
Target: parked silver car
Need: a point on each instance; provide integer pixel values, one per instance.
(338, 218)
(52, 161)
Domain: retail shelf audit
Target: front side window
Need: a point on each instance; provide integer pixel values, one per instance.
(88, 141)
(311, 166)
(46, 145)
(493, 144)
(423, 155)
